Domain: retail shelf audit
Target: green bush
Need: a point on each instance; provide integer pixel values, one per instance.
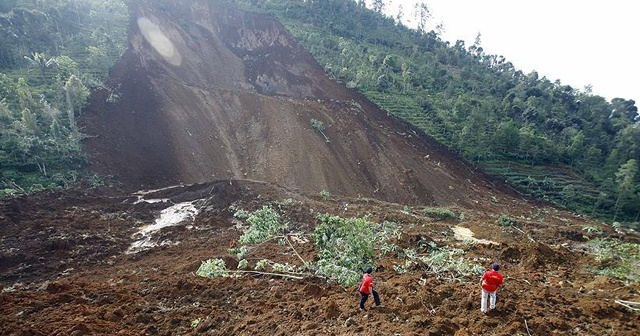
(440, 214)
(260, 265)
(504, 220)
(346, 246)
(616, 259)
(325, 195)
(243, 264)
(264, 224)
(238, 252)
(212, 268)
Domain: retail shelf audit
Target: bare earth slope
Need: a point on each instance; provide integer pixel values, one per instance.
(226, 94)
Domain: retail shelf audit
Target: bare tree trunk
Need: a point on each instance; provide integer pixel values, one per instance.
(70, 113)
(615, 208)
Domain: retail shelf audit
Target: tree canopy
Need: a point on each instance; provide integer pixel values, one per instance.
(52, 52)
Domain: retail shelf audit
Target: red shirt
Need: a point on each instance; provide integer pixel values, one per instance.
(491, 280)
(366, 284)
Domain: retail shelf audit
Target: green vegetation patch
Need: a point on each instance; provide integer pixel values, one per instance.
(346, 246)
(440, 214)
(265, 223)
(505, 220)
(616, 259)
(52, 54)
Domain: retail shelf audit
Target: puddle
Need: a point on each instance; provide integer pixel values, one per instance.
(171, 216)
(155, 200)
(464, 234)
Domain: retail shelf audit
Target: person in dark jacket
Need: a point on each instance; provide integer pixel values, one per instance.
(366, 289)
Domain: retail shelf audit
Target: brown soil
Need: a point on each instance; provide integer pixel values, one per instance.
(240, 105)
(235, 111)
(65, 271)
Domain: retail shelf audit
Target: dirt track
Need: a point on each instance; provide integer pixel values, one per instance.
(66, 271)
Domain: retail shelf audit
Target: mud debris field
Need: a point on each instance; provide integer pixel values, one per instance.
(67, 268)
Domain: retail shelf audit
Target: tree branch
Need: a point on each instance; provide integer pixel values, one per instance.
(527, 326)
(297, 277)
(635, 306)
(294, 250)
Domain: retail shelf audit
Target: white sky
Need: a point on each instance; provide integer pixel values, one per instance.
(579, 42)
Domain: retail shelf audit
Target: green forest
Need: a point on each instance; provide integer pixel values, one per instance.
(552, 141)
(52, 54)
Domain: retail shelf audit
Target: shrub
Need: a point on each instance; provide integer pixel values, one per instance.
(243, 264)
(591, 230)
(440, 214)
(616, 259)
(445, 261)
(238, 252)
(8, 192)
(319, 126)
(195, 323)
(278, 267)
(260, 265)
(212, 268)
(264, 224)
(346, 246)
(325, 195)
(504, 220)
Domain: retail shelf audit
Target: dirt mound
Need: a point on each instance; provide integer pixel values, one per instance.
(535, 256)
(225, 94)
(67, 269)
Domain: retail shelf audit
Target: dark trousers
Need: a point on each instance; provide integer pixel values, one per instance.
(364, 297)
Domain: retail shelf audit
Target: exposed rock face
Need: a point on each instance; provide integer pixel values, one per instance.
(207, 92)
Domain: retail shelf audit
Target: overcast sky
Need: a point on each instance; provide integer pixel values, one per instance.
(579, 42)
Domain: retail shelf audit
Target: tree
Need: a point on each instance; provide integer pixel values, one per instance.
(29, 122)
(7, 5)
(319, 126)
(576, 148)
(400, 14)
(476, 50)
(626, 146)
(33, 131)
(378, 5)
(568, 194)
(6, 117)
(625, 181)
(505, 140)
(41, 62)
(529, 143)
(76, 95)
(624, 112)
(25, 98)
(422, 15)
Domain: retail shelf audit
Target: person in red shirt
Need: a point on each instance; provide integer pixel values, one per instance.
(366, 288)
(490, 282)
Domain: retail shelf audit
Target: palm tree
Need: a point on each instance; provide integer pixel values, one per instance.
(41, 62)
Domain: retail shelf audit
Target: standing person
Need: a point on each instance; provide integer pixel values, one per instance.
(366, 288)
(490, 282)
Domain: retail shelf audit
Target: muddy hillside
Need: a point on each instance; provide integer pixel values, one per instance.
(91, 262)
(207, 92)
